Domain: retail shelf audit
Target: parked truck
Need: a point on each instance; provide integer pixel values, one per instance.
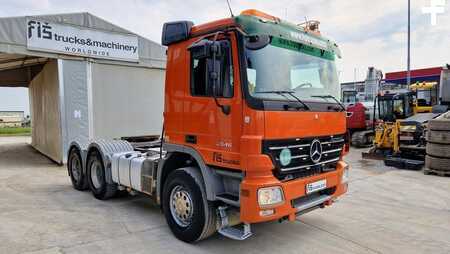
(252, 130)
(361, 117)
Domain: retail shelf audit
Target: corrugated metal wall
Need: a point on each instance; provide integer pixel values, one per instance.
(126, 101)
(45, 113)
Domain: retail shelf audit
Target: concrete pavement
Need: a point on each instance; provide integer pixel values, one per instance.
(385, 211)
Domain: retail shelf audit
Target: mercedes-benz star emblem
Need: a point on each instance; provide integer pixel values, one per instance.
(315, 151)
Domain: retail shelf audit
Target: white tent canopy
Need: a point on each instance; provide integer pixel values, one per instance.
(87, 79)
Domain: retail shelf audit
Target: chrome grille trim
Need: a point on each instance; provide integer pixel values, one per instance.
(292, 146)
(333, 142)
(311, 165)
(332, 151)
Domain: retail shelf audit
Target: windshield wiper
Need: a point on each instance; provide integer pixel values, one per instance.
(291, 93)
(330, 97)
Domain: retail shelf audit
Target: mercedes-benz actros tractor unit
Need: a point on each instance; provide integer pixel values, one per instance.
(253, 131)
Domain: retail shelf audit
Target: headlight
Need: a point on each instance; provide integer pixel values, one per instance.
(345, 175)
(270, 196)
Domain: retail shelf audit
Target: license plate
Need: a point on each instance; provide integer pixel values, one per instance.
(316, 186)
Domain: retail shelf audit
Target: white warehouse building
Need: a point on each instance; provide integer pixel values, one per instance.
(87, 79)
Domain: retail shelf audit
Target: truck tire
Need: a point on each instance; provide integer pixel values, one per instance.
(440, 137)
(440, 164)
(75, 169)
(438, 150)
(362, 139)
(189, 215)
(439, 124)
(96, 178)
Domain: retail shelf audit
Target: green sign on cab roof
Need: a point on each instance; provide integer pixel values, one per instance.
(272, 26)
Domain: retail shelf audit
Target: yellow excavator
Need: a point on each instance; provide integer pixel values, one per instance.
(402, 120)
(391, 107)
(399, 131)
(402, 117)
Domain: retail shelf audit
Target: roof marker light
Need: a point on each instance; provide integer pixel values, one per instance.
(260, 14)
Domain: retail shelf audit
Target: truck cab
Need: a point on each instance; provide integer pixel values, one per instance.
(254, 95)
(253, 131)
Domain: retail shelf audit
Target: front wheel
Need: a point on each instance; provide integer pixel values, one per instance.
(189, 215)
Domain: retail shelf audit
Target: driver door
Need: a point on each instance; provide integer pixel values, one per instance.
(215, 134)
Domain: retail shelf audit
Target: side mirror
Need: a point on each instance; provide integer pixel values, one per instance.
(212, 52)
(205, 49)
(214, 75)
(256, 42)
(200, 49)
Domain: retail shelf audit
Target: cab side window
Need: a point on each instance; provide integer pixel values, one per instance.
(202, 85)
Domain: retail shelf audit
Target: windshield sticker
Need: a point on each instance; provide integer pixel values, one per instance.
(292, 45)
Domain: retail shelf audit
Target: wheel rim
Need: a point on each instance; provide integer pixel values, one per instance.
(181, 206)
(75, 168)
(96, 174)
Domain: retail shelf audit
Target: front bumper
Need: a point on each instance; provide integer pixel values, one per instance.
(296, 201)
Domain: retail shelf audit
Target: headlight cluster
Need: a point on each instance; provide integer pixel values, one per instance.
(270, 196)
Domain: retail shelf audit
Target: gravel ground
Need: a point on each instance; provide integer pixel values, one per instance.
(385, 211)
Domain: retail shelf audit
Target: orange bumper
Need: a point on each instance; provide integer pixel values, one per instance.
(250, 211)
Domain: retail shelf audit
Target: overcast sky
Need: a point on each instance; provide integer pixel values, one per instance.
(370, 33)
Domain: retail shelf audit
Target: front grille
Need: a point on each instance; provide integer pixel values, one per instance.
(301, 164)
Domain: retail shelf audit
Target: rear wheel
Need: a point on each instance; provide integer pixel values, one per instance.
(361, 139)
(189, 215)
(75, 168)
(97, 178)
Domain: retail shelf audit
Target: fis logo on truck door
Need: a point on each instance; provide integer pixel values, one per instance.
(42, 30)
(218, 157)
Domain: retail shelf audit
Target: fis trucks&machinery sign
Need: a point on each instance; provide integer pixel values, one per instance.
(72, 40)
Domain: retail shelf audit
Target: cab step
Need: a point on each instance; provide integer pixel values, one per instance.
(239, 232)
(230, 225)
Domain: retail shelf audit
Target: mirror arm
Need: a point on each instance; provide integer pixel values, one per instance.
(225, 108)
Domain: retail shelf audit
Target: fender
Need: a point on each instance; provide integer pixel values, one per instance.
(106, 149)
(212, 182)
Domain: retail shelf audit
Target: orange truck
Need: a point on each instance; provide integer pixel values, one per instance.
(252, 131)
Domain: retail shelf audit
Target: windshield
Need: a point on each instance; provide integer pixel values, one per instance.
(391, 109)
(426, 97)
(349, 97)
(284, 65)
